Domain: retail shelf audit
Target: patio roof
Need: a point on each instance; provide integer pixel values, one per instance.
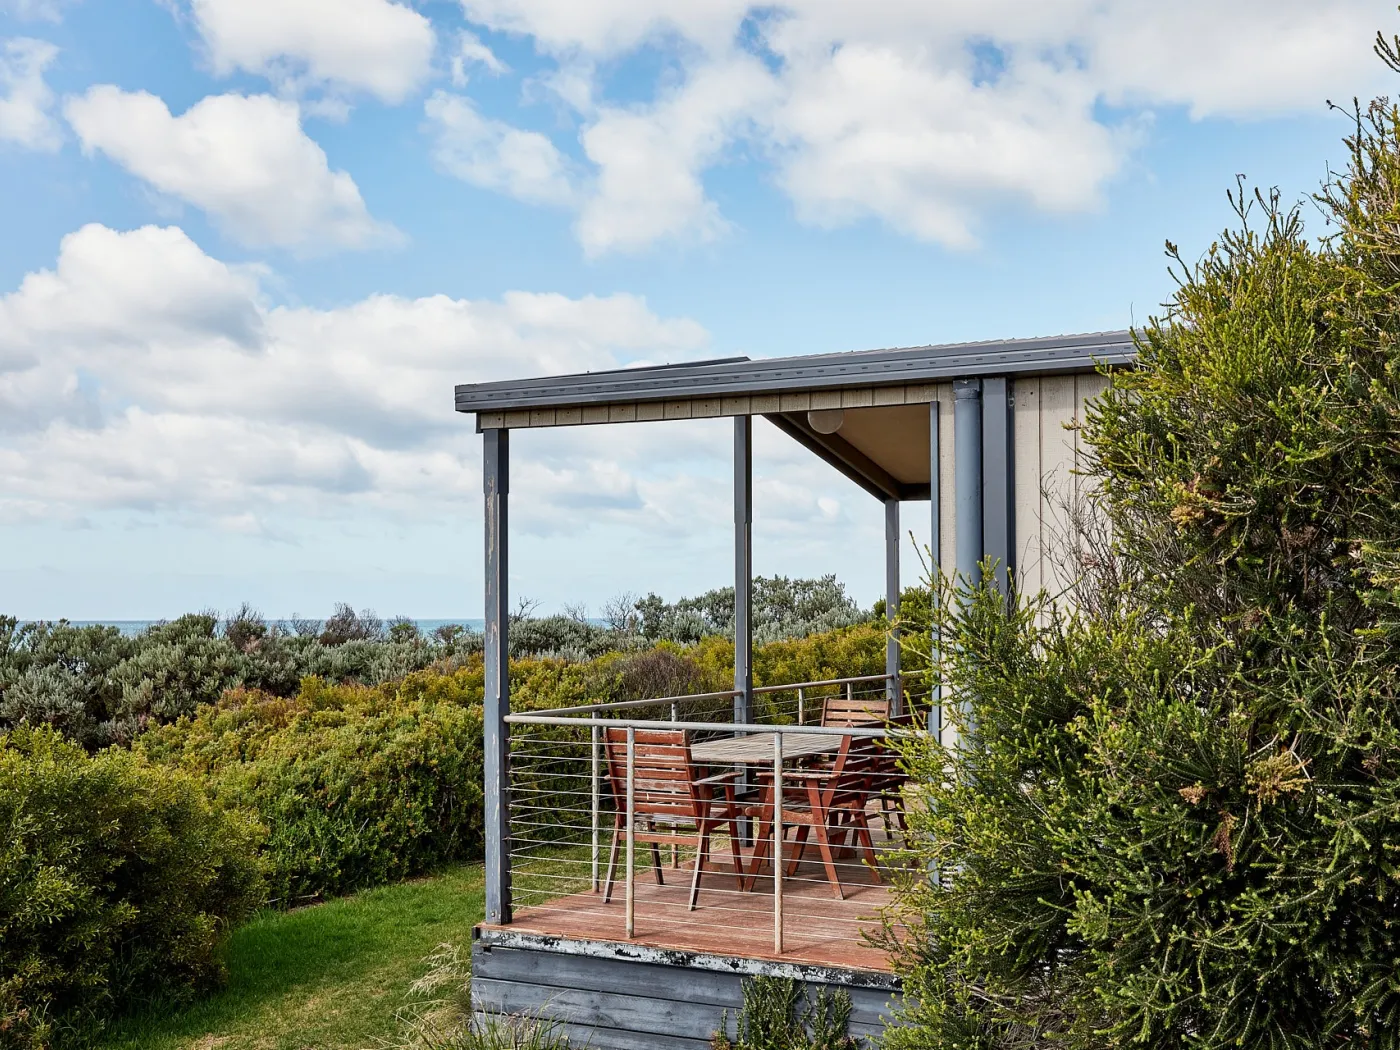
(733, 377)
(875, 403)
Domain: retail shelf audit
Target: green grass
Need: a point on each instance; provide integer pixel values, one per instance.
(330, 976)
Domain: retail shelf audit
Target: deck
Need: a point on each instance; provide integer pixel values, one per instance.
(818, 929)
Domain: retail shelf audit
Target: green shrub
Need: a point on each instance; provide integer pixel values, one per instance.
(778, 1014)
(1174, 817)
(357, 785)
(118, 883)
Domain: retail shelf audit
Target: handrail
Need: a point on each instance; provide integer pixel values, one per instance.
(705, 727)
(619, 705)
(817, 685)
(725, 694)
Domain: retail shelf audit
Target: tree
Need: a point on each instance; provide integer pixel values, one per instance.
(1174, 816)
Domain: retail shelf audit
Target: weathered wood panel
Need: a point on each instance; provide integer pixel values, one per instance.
(611, 999)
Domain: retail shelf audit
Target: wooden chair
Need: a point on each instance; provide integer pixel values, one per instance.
(828, 804)
(668, 789)
(846, 711)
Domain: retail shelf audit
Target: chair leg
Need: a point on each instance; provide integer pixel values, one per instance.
(800, 841)
(612, 864)
(760, 853)
(861, 833)
(656, 864)
(700, 853)
(735, 852)
(824, 844)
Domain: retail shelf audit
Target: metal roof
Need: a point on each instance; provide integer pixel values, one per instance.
(737, 376)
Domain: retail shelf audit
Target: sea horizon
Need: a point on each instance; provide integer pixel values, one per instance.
(131, 628)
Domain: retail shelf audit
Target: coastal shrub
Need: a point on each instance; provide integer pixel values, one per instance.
(1173, 820)
(363, 785)
(357, 785)
(100, 687)
(782, 608)
(778, 1013)
(118, 883)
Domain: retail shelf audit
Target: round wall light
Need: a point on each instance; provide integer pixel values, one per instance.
(826, 420)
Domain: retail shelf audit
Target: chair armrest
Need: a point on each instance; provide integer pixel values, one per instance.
(718, 778)
(799, 774)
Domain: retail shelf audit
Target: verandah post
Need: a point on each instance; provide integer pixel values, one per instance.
(743, 568)
(935, 547)
(496, 701)
(893, 693)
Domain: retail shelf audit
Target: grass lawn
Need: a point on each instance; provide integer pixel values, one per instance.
(329, 976)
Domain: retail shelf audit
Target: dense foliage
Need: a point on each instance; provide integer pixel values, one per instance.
(100, 687)
(1174, 819)
(118, 883)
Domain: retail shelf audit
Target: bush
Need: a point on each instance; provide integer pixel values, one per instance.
(118, 884)
(358, 785)
(1173, 818)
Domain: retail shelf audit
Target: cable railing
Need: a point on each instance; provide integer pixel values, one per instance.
(789, 815)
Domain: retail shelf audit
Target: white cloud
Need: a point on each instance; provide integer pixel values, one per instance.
(376, 46)
(472, 52)
(649, 160)
(26, 101)
(923, 115)
(495, 156)
(33, 10)
(243, 159)
(141, 374)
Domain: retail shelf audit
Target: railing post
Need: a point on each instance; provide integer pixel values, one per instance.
(496, 698)
(778, 843)
(596, 855)
(801, 706)
(631, 831)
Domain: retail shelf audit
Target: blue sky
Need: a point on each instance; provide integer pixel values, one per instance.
(249, 245)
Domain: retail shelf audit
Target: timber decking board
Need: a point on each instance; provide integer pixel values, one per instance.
(818, 930)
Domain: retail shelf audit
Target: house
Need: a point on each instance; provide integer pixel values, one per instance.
(980, 432)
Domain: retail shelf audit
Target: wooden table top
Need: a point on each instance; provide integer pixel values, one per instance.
(757, 748)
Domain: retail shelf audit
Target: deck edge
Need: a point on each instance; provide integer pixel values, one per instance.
(489, 936)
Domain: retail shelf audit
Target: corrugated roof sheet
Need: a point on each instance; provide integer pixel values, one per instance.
(737, 376)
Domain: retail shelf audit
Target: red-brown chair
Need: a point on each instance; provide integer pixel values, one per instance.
(669, 788)
(829, 804)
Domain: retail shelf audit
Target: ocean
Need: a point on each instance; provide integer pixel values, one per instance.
(135, 627)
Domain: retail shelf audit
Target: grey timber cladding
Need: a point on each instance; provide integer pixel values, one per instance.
(673, 391)
(621, 997)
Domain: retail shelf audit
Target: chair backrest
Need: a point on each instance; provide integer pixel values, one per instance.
(663, 773)
(851, 771)
(842, 710)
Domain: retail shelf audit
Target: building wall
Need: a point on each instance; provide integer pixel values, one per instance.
(1046, 454)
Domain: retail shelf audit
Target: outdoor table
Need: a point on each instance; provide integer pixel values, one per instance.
(756, 749)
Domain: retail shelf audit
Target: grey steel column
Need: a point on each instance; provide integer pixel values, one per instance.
(967, 479)
(496, 701)
(935, 490)
(893, 692)
(743, 568)
(998, 479)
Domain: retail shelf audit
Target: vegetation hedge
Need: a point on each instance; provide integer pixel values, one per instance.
(1173, 818)
(118, 883)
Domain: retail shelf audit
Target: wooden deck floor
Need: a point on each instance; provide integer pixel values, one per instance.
(818, 929)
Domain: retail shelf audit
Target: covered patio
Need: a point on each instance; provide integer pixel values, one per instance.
(755, 827)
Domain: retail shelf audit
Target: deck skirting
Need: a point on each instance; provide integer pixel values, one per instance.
(618, 996)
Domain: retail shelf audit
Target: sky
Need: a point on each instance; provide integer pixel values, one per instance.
(247, 248)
